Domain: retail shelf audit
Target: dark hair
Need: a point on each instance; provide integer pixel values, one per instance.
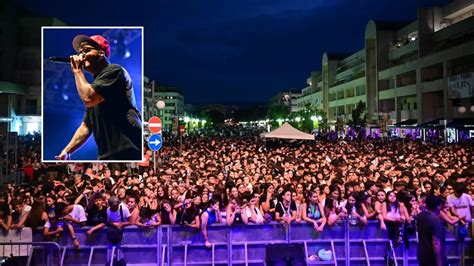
(459, 188)
(389, 205)
(357, 198)
(165, 201)
(16, 202)
(369, 184)
(94, 182)
(34, 218)
(59, 208)
(329, 204)
(433, 202)
(333, 188)
(286, 189)
(213, 201)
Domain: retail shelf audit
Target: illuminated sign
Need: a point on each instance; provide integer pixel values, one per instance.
(471, 134)
(6, 119)
(452, 135)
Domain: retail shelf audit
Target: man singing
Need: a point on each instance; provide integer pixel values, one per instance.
(111, 112)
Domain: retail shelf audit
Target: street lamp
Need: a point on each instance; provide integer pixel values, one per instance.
(186, 120)
(161, 105)
(316, 120)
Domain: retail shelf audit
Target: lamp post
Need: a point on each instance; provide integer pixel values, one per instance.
(316, 120)
(280, 121)
(160, 104)
(186, 120)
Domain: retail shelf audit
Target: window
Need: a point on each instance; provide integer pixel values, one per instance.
(332, 96)
(360, 90)
(332, 111)
(349, 92)
(340, 110)
(350, 108)
(30, 107)
(340, 95)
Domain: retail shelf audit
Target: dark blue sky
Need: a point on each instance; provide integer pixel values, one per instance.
(236, 51)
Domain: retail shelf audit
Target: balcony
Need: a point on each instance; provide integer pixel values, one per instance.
(408, 90)
(406, 49)
(432, 86)
(396, 70)
(451, 32)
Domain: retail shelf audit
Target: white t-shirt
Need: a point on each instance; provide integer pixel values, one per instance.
(462, 205)
(26, 210)
(78, 213)
(259, 215)
(115, 216)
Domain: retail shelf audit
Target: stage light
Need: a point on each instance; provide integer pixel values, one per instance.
(127, 54)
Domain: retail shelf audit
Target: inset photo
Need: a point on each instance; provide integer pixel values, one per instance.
(92, 94)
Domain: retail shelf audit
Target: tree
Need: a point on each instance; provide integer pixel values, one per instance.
(251, 113)
(213, 116)
(359, 117)
(279, 112)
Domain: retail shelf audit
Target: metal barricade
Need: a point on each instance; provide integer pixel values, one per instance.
(31, 253)
(242, 244)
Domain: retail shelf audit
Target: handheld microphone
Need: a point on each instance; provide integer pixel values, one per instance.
(57, 59)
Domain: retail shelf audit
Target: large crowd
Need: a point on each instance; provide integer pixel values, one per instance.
(240, 179)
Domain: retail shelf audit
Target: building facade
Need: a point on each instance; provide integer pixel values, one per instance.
(174, 103)
(287, 98)
(20, 68)
(421, 70)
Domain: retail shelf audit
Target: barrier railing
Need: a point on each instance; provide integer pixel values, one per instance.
(30, 253)
(245, 244)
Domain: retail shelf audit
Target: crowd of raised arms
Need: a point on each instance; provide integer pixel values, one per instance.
(233, 179)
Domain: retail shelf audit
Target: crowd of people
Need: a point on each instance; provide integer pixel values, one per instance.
(235, 179)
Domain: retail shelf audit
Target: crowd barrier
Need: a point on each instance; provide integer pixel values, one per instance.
(245, 245)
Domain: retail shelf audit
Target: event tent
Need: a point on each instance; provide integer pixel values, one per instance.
(286, 131)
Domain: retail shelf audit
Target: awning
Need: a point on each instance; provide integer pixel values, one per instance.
(406, 123)
(462, 123)
(433, 124)
(12, 88)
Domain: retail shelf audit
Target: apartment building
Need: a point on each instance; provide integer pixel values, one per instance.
(20, 68)
(420, 71)
(174, 103)
(287, 98)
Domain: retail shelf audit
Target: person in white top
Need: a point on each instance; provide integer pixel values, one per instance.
(20, 213)
(394, 215)
(252, 212)
(75, 214)
(461, 204)
(56, 225)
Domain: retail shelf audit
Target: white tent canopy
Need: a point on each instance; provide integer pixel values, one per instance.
(286, 131)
